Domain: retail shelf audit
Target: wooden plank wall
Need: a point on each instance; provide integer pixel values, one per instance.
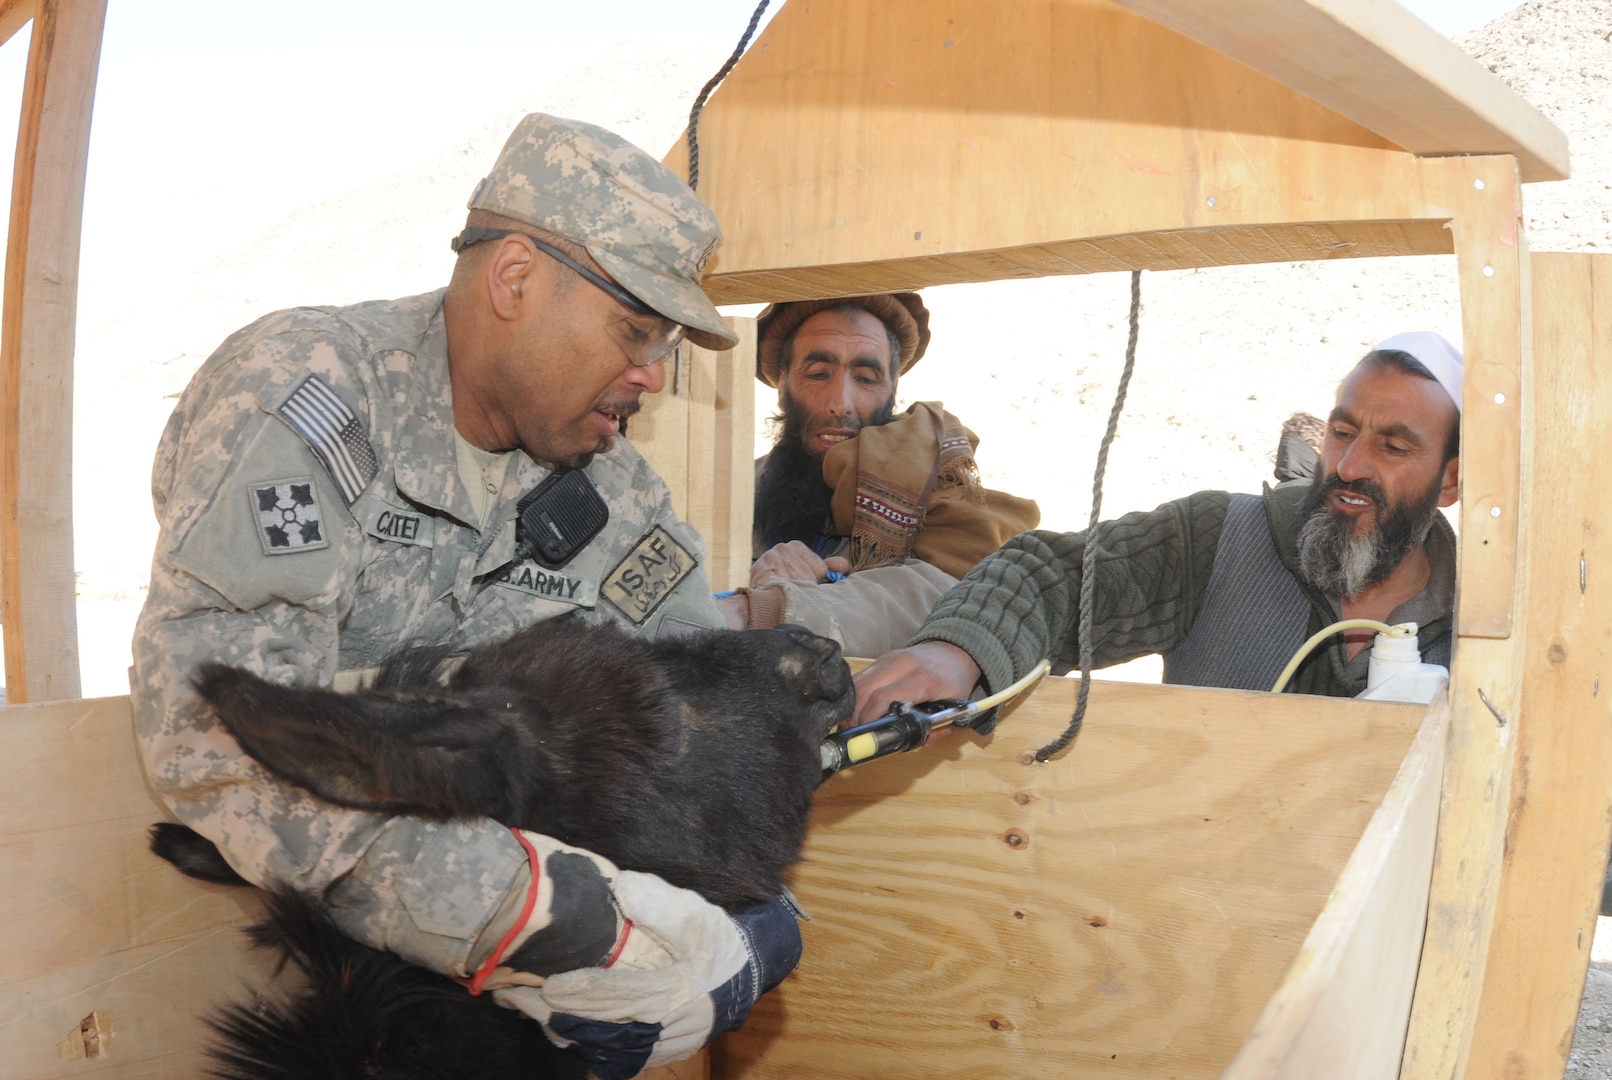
(1123, 911)
(37, 325)
(699, 433)
(1559, 820)
(95, 931)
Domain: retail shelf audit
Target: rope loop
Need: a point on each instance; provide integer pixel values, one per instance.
(1088, 555)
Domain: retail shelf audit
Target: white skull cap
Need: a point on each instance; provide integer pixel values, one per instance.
(1435, 354)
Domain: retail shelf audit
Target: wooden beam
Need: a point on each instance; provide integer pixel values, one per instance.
(1379, 65)
(1184, 249)
(1486, 673)
(1559, 822)
(14, 15)
(1125, 910)
(40, 306)
(1491, 259)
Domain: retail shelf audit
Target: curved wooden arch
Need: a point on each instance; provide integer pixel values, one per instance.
(37, 596)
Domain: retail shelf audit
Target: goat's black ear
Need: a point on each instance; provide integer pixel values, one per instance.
(193, 854)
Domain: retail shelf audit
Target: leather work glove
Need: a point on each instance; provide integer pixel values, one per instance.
(684, 973)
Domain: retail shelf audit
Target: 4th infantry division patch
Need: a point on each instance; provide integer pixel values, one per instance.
(288, 517)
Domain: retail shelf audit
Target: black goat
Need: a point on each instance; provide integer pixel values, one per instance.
(694, 758)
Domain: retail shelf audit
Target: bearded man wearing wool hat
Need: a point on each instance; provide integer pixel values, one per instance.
(337, 481)
(1228, 587)
(863, 517)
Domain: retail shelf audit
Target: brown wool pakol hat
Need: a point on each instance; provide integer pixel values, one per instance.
(904, 313)
(637, 218)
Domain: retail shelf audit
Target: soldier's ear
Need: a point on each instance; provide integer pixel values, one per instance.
(508, 275)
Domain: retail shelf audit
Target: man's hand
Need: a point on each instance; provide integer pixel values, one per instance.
(687, 973)
(928, 671)
(794, 561)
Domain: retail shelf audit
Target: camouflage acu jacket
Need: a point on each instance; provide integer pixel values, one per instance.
(312, 519)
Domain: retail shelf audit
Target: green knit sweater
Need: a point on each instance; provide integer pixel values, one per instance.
(1022, 604)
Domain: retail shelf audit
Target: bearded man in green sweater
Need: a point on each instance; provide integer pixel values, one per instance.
(1228, 587)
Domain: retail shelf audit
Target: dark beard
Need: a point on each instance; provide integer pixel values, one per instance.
(792, 501)
(1339, 563)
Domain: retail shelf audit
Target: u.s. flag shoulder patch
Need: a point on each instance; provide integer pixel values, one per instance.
(332, 430)
(288, 516)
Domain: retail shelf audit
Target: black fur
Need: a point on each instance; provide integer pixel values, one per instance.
(366, 1013)
(193, 854)
(694, 758)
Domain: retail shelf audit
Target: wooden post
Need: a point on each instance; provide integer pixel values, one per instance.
(698, 433)
(1559, 819)
(37, 595)
(1486, 673)
(721, 454)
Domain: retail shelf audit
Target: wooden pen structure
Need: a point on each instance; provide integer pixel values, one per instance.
(1211, 883)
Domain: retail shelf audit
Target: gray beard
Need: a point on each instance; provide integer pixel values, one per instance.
(1339, 563)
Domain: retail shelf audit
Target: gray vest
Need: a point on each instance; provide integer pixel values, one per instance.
(1255, 615)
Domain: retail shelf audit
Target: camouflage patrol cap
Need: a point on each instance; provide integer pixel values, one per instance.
(635, 217)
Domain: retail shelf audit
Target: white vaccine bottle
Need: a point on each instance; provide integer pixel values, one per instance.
(1397, 673)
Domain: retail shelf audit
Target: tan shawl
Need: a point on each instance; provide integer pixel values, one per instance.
(911, 488)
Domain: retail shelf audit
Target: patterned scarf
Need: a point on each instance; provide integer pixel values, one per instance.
(911, 489)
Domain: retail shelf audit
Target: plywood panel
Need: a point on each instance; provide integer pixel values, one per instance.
(1342, 1011)
(1123, 911)
(91, 923)
(37, 599)
(894, 145)
(1377, 64)
(1560, 809)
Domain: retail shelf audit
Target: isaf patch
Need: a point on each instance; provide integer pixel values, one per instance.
(288, 515)
(647, 576)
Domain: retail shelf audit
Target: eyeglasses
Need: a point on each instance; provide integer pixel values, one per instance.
(644, 346)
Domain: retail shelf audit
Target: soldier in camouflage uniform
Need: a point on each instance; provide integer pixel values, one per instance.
(336, 482)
